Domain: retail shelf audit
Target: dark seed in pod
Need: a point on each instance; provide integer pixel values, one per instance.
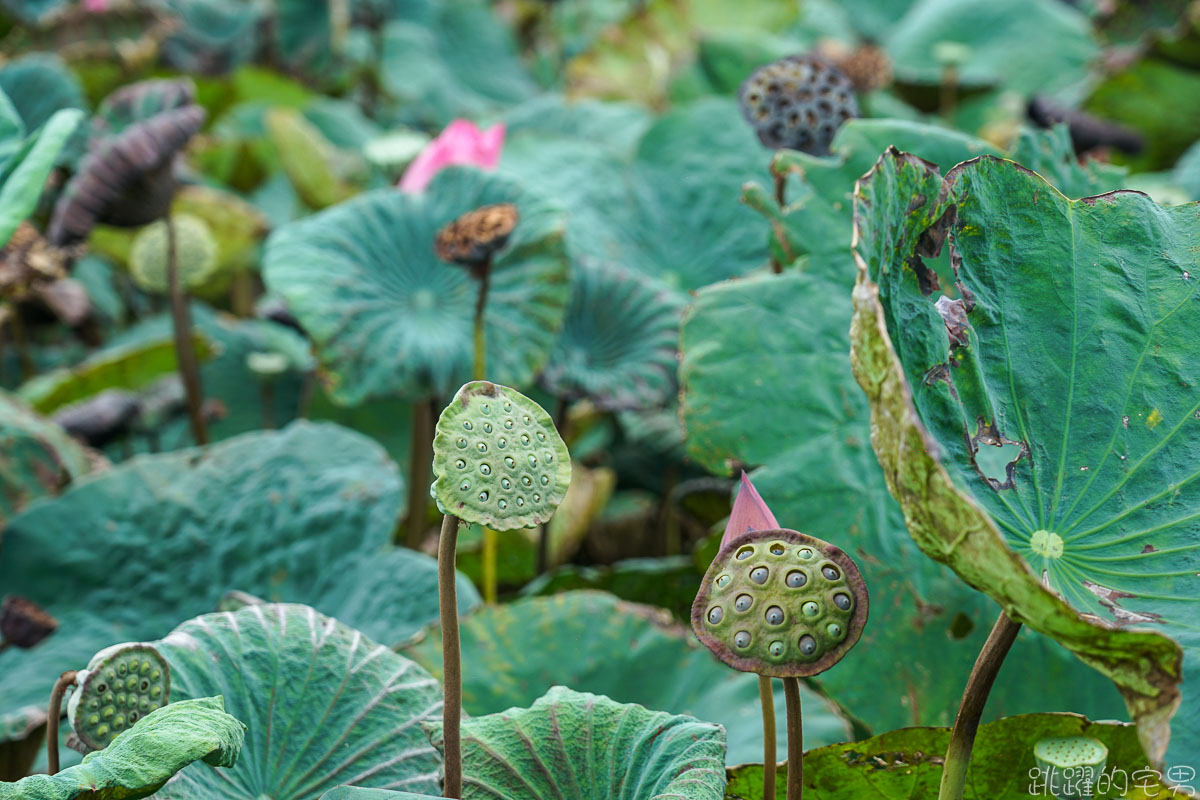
(842, 601)
(774, 615)
(830, 573)
(808, 645)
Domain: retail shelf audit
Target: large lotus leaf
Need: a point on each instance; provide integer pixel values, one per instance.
(323, 703)
(906, 764)
(1073, 354)
(389, 318)
(131, 367)
(304, 514)
(634, 654)
(1023, 45)
(599, 749)
(779, 343)
(671, 212)
(37, 457)
(213, 36)
(139, 761)
(358, 793)
(21, 735)
(456, 60)
(615, 127)
(619, 340)
(39, 85)
(23, 173)
(1136, 97)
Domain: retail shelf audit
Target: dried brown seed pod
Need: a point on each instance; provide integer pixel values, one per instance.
(23, 623)
(798, 103)
(867, 66)
(473, 238)
(780, 603)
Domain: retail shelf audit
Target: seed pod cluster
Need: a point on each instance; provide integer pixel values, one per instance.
(781, 604)
(121, 684)
(798, 103)
(476, 236)
(498, 459)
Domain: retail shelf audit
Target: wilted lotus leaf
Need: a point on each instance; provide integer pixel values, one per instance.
(23, 623)
(473, 238)
(619, 340)
(780, 603)
(127, 179)
(498, 460)
(195, 251)
(121, 684)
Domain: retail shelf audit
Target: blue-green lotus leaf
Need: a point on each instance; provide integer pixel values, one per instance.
(389, 318)
(38, 85)
(323, 704)
(37, 457)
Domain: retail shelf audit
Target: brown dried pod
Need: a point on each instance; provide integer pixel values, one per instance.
(781, 604)
(798, 103)
(867, 66)
(23, 623)
(473, 238)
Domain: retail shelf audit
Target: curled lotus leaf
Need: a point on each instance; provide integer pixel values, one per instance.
(121, 685)
(781, 604)
(619, 340)
(498, 459)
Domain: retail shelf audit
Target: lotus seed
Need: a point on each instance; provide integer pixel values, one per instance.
(715, 615)
(743, 602)
(759, 575)
(485, 408)
(834, 630)
(467, 424)
(796, 579)
(776, 549)
(502, 443)
(774, 615)
(537, 498)
(508, 423)
(549, 458)
(506, 483)
(775, 648)
(545, 480)
(520, 501)
(465, 486)
(745, 553)
(808, 645)
(156, 691)
(507, 406)
(805, 553)
(487, 427)
(509, 462)
(541, 436)
(486, 469)
(94, 719)
(460, 464)
(742, 639)
(526, 419)
(483, 496)
(810, 609)
(122, 669)
(462, 443)
(102, 731)
(525, 439)
(842, 601)
(502, 503)
(526, 480)
(723, 581)
(830, 573)
(532, 460)
(482, 447)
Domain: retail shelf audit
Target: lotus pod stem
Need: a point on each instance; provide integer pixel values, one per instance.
(766, 697)
(451, 657)
(970, 709)
(64, 682)
(420, 457)
(795, 744)
(185, 355)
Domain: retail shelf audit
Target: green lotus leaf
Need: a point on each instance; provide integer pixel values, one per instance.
(779, 342)
(213, 36)
(619, 340)
(303, 514)
(389, 318)
(614, 127)
(195, 249)
(1135, 97)
(653, 215)
(332, 708)
(38, 85)
(356, 793)
(631, 653)
(21, 735)
(131, 366)
(37, 457)
(24, 169)
(1051, 154)
(310, 161)
(143, 758)
(669, 582)
(498, 460)
(906, 764)
(600, 749)
(1067, 353)
(1024, 45)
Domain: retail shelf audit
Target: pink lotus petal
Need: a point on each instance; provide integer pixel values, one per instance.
(461, 142)
(750, 513)
(95, 5)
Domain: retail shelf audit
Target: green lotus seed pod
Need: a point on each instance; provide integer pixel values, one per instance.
(497, 459)
(1071, 764)
(781, 604)
(195, 252)
(121, 684)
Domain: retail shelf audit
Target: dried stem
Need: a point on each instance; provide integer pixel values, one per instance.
(67, 679)
(185, 354)
(420, 461)
(451, 657)
(979, 685)
(767, 697)
(795, 744)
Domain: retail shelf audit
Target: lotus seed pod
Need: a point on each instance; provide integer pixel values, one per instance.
(798, 103)
(195, 253)
(497, 459)
(121, 684)
(476, 236)
(1070, 764)
(781, 604)
(867, 66)
(23, 623)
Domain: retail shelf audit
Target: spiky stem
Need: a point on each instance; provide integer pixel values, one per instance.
(185, 355)
(451, 657)
(979, 685)
(795, 744)
(766, 696)
(67, 679)
(420, 460)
